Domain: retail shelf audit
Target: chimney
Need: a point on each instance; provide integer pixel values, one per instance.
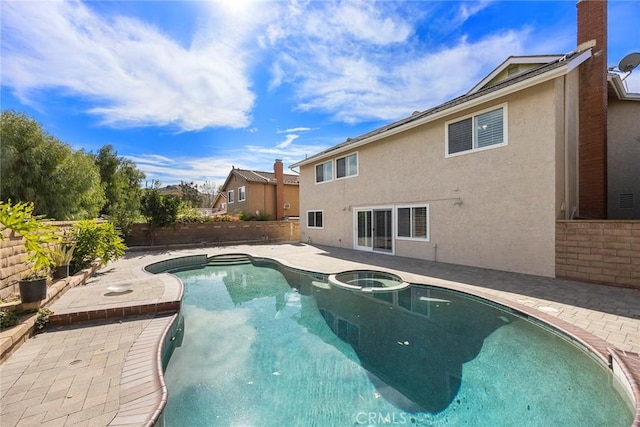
(592, 110)
(279, 173)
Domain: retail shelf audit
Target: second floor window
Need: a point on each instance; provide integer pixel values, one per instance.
(478, 132)
(347, 166)
(324, 172)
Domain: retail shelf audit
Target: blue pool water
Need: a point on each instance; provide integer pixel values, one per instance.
(267, 346)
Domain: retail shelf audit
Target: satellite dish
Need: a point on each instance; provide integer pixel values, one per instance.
(629, 62)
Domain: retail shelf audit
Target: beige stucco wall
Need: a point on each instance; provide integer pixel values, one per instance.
(292, 197)
(507, 217)
(261, 197)
(235, 207)
(623, 157)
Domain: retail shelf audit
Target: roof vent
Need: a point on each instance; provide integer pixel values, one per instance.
(513, 69)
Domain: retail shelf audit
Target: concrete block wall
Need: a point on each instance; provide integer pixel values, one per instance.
(600, 251)
(212, 233)
(13, 258)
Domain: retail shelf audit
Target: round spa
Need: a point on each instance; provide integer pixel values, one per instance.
(368, 281)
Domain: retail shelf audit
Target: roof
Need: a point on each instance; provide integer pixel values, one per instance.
(512, 63)
(618, 88)
(557, 67)
(264, 177)
(268, 178)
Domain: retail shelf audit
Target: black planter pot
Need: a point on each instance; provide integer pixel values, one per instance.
(32, 290)
(61, 272)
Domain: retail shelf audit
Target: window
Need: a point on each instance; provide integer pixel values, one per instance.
(347, 166)
(241, 194)
(413, 222)
(314, 219)
(324, 172)
(477, 132)
(230, 196)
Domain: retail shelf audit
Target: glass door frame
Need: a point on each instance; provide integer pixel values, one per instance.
(370, 237)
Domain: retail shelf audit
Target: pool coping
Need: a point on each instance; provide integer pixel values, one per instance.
(143, 392)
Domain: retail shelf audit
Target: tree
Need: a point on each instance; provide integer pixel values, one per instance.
(36, 167)
(121, 181)
(80, 195)
(208, 192)
(190, 194)
(159, 210)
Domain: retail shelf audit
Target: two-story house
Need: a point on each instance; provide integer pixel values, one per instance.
(273, 194)
(481, 179)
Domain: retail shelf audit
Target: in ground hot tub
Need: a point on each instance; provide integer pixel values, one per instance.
(368, 281)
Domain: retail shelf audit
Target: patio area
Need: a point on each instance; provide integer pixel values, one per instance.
(98, 363)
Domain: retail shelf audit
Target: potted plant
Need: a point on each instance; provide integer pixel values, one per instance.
(62, 253)
(38, 236)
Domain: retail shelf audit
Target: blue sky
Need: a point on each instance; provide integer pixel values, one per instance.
(187, 89)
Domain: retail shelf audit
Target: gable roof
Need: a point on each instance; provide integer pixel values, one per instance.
(268, 178)
(265, 177)
(514, 65)
(544, 72)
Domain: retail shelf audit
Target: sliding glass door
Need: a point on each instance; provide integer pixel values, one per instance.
(374, 229)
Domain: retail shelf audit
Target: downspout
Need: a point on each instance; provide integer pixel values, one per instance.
(567, 189)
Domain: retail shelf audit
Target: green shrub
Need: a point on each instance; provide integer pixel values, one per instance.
(159, 210)
(37, 235)
(225, 218)
(190, 215)
(259, 216)
(43, 318)
(95, 240)
(8, 318)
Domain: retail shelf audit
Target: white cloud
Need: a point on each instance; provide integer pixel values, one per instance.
(467, 10)
(334, 64)
(356, 88)
(172, 171)
(298, 129)
(287, 140)
(131, 71)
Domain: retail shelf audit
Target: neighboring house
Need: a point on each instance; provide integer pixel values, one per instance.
(481, 180)
(275, 194)
(219, 205)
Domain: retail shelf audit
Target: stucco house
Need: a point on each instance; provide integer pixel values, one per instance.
(219, 205)
(481, 179)
(274, 194)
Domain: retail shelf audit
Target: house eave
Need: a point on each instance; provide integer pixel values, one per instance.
(491, 96)
(538, 59)
(619, 88)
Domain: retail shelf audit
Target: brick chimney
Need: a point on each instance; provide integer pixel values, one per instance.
(592, 145)
(278, 171)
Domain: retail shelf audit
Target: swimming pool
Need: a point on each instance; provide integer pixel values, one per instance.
(270, 346)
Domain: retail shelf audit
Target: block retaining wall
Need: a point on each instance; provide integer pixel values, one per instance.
(603, 251)
(212, 233)
(13, 258)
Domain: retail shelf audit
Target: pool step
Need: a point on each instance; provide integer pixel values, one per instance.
(229, 260)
